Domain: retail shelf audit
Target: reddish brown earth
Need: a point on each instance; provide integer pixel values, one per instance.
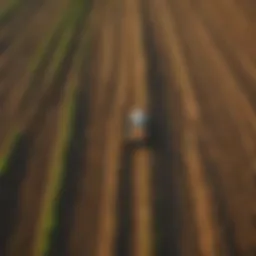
(72, 184)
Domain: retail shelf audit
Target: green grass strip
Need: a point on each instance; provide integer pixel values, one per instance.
(8, 148)
(12, 138)
(36, 62)
(55, 173)
(49, 220)
(59, 54)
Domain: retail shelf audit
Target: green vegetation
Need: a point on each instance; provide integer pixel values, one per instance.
(33, 92)
(49, 218)
(8, 148)
(12, 137)
(48, 221)
(66, 28)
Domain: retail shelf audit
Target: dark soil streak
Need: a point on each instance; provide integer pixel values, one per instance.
(53, 95)
(10, 14)
(9, 187)
(18, 18)
(225, 221)
(74, 163)
(167, 208)
(124, 226)
(40, 71)
(37, 78)
(74, 168)
(75, 154)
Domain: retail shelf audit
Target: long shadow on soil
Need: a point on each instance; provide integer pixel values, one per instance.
(9, 189)
(124, 221)
(167, 210)
(166, 198)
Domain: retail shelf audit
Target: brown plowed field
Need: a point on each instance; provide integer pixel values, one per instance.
(70, 73)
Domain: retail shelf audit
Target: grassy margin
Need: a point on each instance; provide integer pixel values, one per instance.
(48, 221)
(12, 138)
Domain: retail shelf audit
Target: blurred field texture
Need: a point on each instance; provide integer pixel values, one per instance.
(70, 72)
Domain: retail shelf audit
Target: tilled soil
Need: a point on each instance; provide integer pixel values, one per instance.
(70, 182)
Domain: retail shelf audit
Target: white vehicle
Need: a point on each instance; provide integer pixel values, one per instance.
(136, 126)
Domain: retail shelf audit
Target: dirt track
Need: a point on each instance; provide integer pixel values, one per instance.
(69, 182)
